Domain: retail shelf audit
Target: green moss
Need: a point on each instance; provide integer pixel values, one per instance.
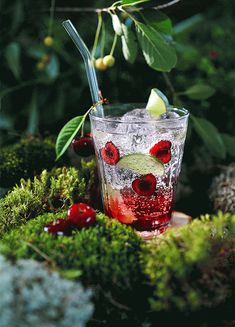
(50, 191)
(25, 159)
(184, 270)
(188, 267)
(106, 254)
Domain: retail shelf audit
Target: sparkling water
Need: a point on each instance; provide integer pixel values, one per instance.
(137, 132)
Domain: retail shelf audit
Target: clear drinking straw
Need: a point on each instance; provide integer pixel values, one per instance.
(90, 70)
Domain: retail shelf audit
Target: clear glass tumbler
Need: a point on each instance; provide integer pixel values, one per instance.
(139, 160)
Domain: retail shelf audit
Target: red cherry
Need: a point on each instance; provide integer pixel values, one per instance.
(110, 153)
(162, 151)
(213, 55)
(83, 146)
(58, 227)
(81, 215)
(145, 185)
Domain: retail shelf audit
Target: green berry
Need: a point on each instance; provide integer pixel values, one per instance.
(48, 41)
(99, 64)
(45, 58)
(109, 61)
(40, 66)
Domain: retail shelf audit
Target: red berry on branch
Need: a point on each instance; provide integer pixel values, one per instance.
(81, 215)
(83, 146)
(213, 55)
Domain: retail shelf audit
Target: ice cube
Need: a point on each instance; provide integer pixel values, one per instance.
(137, 115)
(169, 115)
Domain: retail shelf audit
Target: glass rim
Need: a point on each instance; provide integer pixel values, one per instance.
(184, 112)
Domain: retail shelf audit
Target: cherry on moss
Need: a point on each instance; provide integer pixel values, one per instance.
(81, 215)
(58, 227)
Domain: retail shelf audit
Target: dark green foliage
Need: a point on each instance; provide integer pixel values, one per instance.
(189, 267)
(50, 191)
(25, 159)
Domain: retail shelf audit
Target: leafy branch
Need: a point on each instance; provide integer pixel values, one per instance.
(107, 9)
(71, 129)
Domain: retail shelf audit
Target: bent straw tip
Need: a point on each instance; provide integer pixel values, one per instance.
(67, 23)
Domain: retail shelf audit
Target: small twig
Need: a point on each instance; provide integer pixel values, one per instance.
(42, 254)
(116, 303)
(114, 44)
(168, 4)
(78, 9)
(97, 10)
(97, 34)
(52, 11)
(169, 84)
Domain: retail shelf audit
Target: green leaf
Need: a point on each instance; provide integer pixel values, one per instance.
(158, 21)
(67, 133)
(5, 121)
(71, 273)
(53, 68)
(158, 54)
(210, 135)
(17, 15)
(129, 44)
(33, 119)
(117, 26)
(12, 54)
(36, 51)
(199, 92)
(229, 142)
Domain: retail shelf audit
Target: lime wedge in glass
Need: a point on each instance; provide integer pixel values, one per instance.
(157, 103)
(141, 164)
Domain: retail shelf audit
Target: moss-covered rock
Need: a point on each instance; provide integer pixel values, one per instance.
(185, 270)
(105, 256)
(190, 268)
(106, 253)
(49, 192)
(25, 159)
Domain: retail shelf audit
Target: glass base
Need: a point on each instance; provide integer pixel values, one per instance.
(148, 235)
(178, 219)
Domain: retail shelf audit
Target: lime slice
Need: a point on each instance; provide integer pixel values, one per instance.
(141, 164)
(157, 103)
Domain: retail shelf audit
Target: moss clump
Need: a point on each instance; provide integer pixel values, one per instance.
(185, 270)
(25, 159)
(189, 267)
(50, 191)
(105, 254)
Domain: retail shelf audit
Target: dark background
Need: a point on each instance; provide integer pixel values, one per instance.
(39, 102)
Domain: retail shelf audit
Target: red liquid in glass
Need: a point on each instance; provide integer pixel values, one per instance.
(144, 213)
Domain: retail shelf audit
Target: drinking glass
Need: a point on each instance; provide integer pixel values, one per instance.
(139, 161)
